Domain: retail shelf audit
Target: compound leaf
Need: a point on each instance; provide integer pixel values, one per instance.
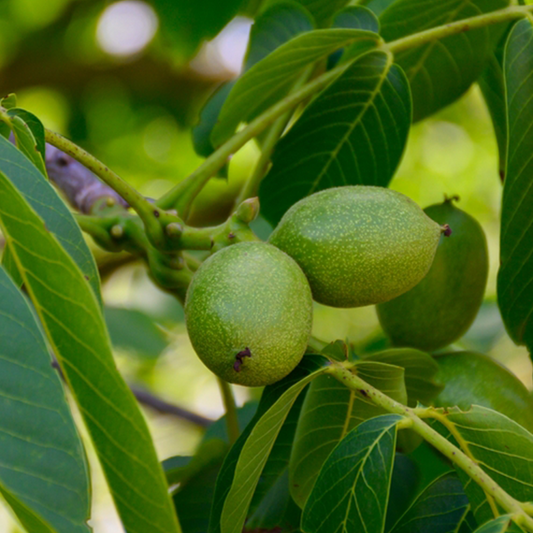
(515, 277)
(501, 447)
(329, 412)
(441, 71)
(352, 489)
(353, 133)
(74, 325)
(270, 79)
(43, 470)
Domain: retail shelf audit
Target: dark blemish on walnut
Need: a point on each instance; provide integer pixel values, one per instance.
(239, 359)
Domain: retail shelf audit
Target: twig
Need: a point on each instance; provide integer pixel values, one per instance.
(81, 187)
(161, 406)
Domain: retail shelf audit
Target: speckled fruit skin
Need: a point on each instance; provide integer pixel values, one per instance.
(249, 296)
(441, 308)
(358, 245)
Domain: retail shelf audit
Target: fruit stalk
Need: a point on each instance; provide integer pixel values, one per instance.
(232, 422)
(341, 372)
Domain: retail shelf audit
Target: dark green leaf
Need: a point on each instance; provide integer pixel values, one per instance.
(43, 470)
(441, 71)
(271, 394)
(352, 489)
(377, 6)
(254, 455)
(323, 10)
(404, 483)
(9, 265)
(193, 501)
(440, 508)
(179, 469)
(492, 86)
(219, 428)
(271, 29)
(135, 332)
(270, 79)
(329, 412)
(47, 204)
(420, 372)
(502, 524)
(353, 133)
(277, 509)
(515, 277)
(356, 17)
(274, 27)
(501, 447)
(75, 327)
(186, 23)
(465, 376)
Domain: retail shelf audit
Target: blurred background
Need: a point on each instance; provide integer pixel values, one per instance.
(112, 78)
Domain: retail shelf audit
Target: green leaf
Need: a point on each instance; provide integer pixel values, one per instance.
(271, 29)
(492, 86)
(309, 366)
(404, 483)
(271, 79)
(502, 524)
(9, 101)
(135, 332)
(276, 510)
(352, 489)
(356, 17)
(75, 327)
(24, 137)
(349, 135)
(42, 197)
(275, 27)
(254, 456)
(501, 447)
(465, 376)
(515, 277)
(9, 265)
(420, 372)
(439, 508)
(193, 500)
(187, 24)
(181, 470)
(329, 412)
(36, 127)
(43, 469)
(323, 10)
(441, 71)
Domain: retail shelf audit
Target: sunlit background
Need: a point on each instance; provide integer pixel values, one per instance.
(102, 74)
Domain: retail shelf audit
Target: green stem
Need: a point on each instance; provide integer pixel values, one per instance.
(459, 26)
(452, 452)
(232, 422)
(146, 211)
(181, 196)
(251, 187)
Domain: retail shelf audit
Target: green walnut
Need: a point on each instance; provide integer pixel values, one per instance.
(358, 245)
(249, 313)
(441, 308)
